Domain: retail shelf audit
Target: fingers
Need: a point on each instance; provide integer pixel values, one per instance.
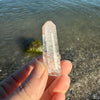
(13, 81)
(34, 85)
(66, 67)
(35, 82)
(50, 80)
(58, 96)
(60, 85)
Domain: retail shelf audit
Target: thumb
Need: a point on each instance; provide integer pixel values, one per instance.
(33, 87)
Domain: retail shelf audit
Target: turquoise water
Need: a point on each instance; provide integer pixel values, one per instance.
(77, 21)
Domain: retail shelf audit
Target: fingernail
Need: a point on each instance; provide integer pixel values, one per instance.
(39, 69)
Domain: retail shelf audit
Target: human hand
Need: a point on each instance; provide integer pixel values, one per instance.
(32, 82)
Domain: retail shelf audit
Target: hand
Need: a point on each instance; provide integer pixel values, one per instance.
(32, 82)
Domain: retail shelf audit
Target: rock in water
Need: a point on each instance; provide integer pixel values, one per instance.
(35, 46)
(51, 54)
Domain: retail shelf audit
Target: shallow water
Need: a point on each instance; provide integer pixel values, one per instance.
(76, 20)
(78, 26)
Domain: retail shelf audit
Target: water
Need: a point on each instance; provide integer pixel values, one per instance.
(76, 20)
(78, 26)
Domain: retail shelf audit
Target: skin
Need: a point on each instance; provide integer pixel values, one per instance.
(32, 82)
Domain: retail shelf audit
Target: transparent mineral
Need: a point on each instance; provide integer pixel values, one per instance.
(51, 54)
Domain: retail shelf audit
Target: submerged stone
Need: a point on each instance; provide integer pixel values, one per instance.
(35, 46)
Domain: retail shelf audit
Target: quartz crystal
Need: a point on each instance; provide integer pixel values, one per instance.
(51, 56)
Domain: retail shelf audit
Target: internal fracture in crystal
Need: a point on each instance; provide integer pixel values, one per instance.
(51, 54)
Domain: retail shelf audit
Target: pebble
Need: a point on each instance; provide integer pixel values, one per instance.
(96, 97)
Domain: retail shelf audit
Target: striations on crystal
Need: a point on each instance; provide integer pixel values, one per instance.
(51, 54)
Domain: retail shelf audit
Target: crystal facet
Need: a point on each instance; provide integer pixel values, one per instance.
(51, 54)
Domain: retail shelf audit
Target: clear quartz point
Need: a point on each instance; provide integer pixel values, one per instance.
(51, 56)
